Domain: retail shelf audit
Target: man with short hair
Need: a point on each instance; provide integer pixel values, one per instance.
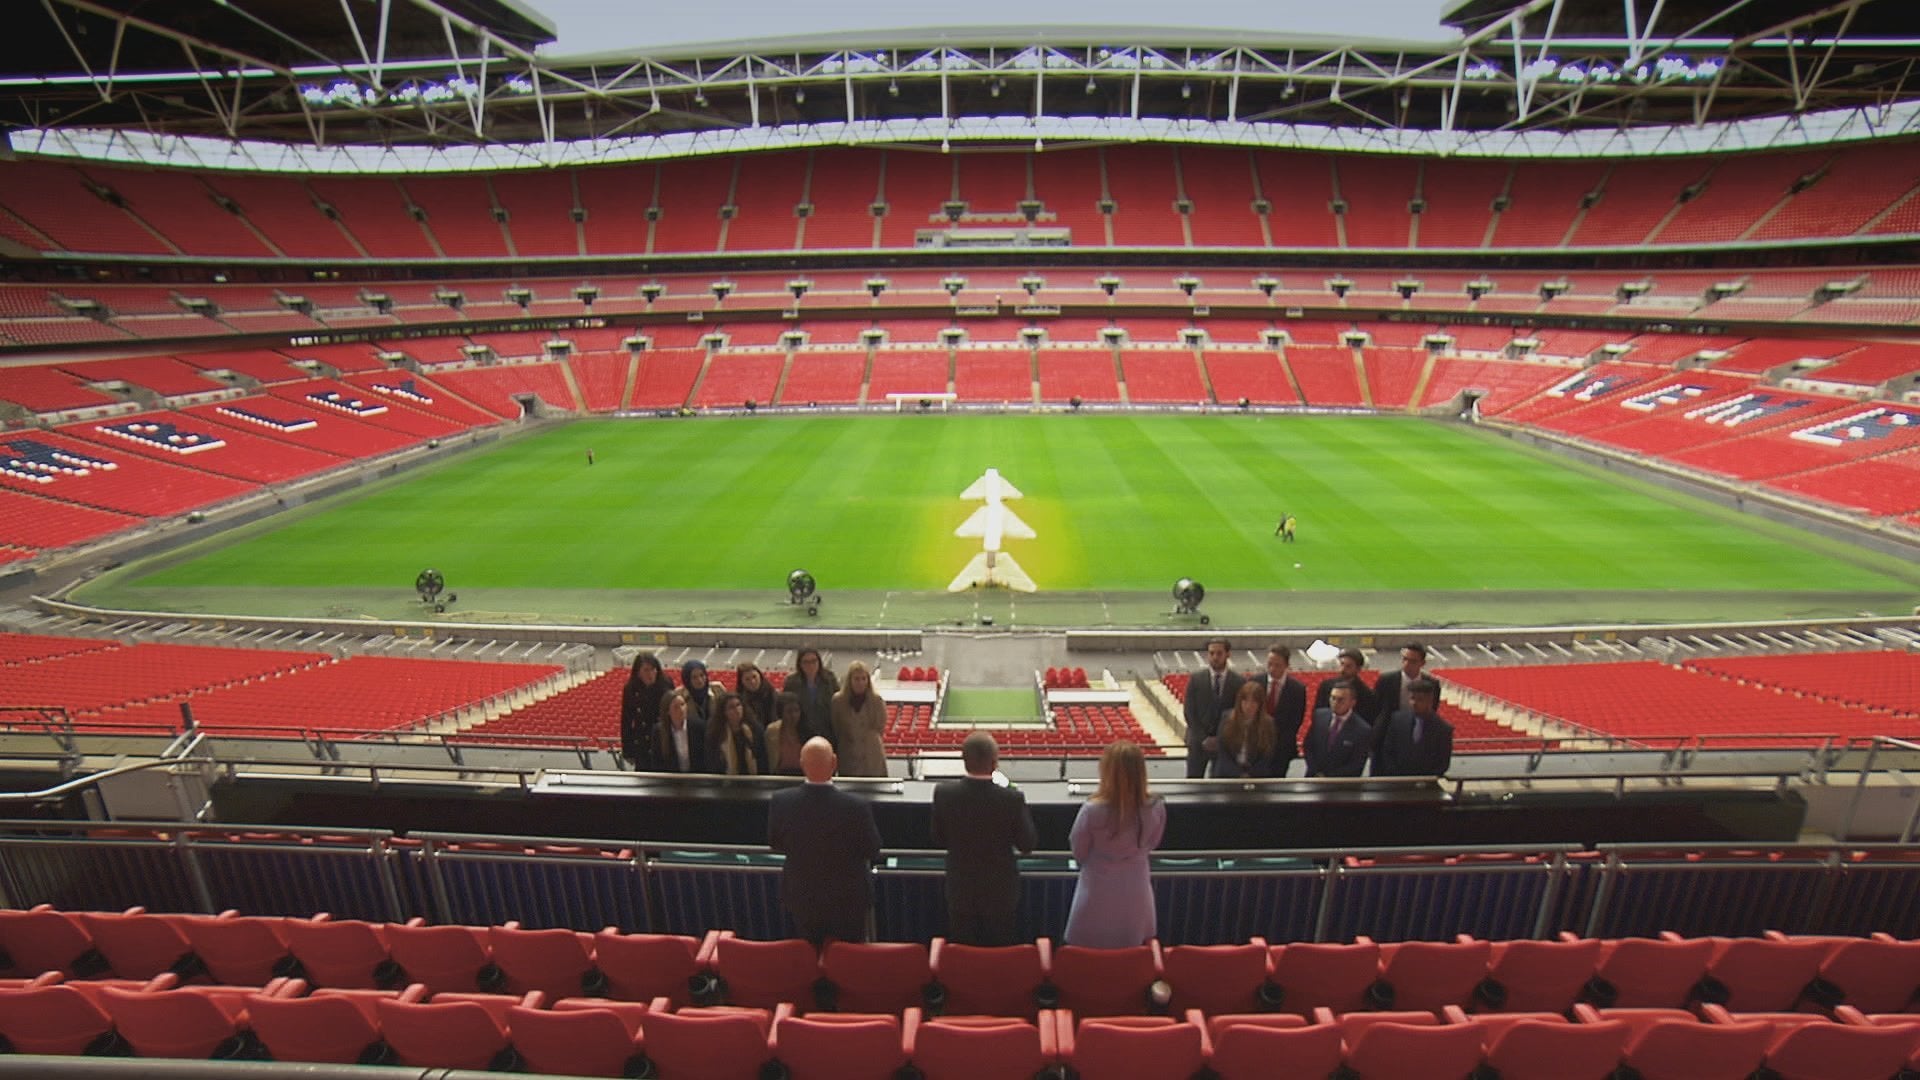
(1210, 693)
(830, 839)
(1339, 739)
(1284, 698)
(1390, 693)
(981, 824)
(1352, 663)
(1415, 741)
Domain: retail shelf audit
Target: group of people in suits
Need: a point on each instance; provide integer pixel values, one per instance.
(1252, 727)
(697, 727)
(830, 839)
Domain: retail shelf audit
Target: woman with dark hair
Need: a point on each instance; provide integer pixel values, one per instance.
(1113, 899)
(680, 739)
(693, 679)
(859, 721)
(752, 686)
(640, 709)
(784, 739)
(734, 745)
(815, 686)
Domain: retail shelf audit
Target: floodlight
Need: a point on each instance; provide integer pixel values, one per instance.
(1187, 594)
(429, 585)
(800, 590)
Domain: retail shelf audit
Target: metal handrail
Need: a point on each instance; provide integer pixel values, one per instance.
(81, 783)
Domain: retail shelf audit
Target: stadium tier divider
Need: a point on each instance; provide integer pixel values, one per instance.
(1204, 898)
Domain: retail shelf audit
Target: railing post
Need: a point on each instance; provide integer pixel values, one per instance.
(1324, 917)
(1602, 895)
(389, 889)
(1551, 897)
(196, 875)
(1823, 895)
(1859, 791)
(429, 854)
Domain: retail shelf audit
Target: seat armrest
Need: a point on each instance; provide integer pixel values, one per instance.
(1716, 1014)
(709, 945)
(1049, 1038)
(1062, 1031)
(660, 1005)
(1322, 1015)
(1453, 1014)
(414, 994)
(1046, 955)
(1159, 965)
(1584, 1013)
(933, 955)
(909, 1029)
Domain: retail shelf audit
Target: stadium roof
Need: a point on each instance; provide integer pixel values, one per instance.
(464, 74)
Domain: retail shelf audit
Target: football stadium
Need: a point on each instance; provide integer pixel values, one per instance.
(550, 537)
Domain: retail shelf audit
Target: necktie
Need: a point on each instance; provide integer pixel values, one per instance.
(1219, 686)
(1333, 731)
(1416, 728)
(1273, 696)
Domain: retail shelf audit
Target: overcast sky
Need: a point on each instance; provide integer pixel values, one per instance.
(589, 26)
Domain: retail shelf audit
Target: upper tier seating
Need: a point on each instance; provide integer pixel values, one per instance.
(830, 378)
(1155, 376)
(493, 388)
(59, 467)
(187, 440)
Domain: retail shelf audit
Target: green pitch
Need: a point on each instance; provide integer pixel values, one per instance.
(1401, 521)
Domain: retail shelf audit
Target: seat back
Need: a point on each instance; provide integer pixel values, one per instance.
(45, 940)
(1311, 976)
(991, 981)
(51, 1020)
(1432, 974)
(1215, 978)
(1765, 975)
(963, 1047)
(444, 958)
(554, 962)
(136, 945)
(1136, 1048)
(1825, 1051)
(840, 1046)
(345, 953)
(572, 1042)
(173, 1023)
(880, 977)
(329, 1029)
(1689, 1050)
(1874, 975)
(444, 1035)
(763, 974)
(706, 1044)
(1255, 1047)
(240, 950)
(1543, 1050)
(641, 967)
(1651, 973)
(1410, 1052)
(1104, 982)
(1538, 976)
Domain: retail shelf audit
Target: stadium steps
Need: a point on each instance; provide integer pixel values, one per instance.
(706, 365)
(1420, 384)
(1874, 222)
(1287, 370)
(442, 387)
(532, 694)
(633, 377)
(1413, 226)
(866, 377)
(1339, 228)
(426, 227)
(1120, 377)
(1360, 361)
(573, 388)
(1186, 226)
(786, 369)
(1206, 377)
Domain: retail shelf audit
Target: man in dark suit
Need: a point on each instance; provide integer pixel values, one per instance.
(1417, 741)
(1352, 663)
(981, 824)
(1285, 700)
(830, 840)
(1210, 693)
(1339, 738)
(1390, 693)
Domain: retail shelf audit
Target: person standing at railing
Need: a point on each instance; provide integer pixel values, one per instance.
(754, 689)
(640, 709)
(680, 739)
(830, 839)
(1391, 692)
(736, 747)
(1339, 739)
(1249, 745)
(784, 738)
(1115, 830)
(1285, 700)
(815, 686)
(1210, 692)
(859, 722)
(982, 821)
(695, 683)
(1416, 742)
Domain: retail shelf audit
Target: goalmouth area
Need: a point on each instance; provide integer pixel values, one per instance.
(1402, 521)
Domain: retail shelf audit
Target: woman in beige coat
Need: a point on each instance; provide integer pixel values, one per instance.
(859, 720)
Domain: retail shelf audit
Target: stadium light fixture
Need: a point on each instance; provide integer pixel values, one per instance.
(1187, 595)
(801, 590)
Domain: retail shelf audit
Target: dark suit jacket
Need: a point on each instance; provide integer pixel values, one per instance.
(1399, 755)
(665, 760)
(1348, 755)
(1292, 715)
(1363, 704)
(1386, 695)
(830, 840)
(980, 824)
(1202, 711)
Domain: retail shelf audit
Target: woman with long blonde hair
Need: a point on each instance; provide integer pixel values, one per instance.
(1247, 736)
(859, 723)
(1113, 898)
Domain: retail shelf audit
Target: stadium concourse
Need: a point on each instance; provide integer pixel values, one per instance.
(269, 268)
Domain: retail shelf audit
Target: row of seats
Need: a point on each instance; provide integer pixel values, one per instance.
(1772, 973)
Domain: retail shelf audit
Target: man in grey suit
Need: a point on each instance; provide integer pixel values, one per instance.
(1339, 737)
(830, 840)
(1285, 699)
(1210, 693)
(1416, 741)
(981, 824)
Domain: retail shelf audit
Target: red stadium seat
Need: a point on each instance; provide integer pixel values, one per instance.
(558, 963)
(1556, 1050)
(443, 1035)
(983, 1047)
(445, 958)
(1874, 975)
(1216, 979)
(1431, 974)
(573, 1042)
(991, 981)
(42, 939)
(1310, 976)
(1538, 976)
(1130, 1047)
(641, 967)
(345, 953)
(1395, 1051)
(711, 1043)
(1252, 1047)
(888, 977)
(332, 1028)
(1105, 982)
(240, 950)
(53, 1020)
(138, 945)
(178, 1023)
(1649, 973)
(1761, 974)
(764, 974)
(1685, 1049)
(839, 1046)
